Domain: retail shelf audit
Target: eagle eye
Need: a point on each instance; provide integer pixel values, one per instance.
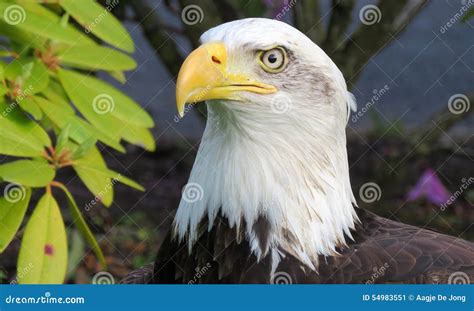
(273, 60)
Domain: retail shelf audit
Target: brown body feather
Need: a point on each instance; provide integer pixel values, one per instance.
(383, 251)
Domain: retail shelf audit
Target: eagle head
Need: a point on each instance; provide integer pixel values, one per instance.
(274, 147)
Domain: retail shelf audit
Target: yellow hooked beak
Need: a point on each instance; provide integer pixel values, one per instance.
(204, 76)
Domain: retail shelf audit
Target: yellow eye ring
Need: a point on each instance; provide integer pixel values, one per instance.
(273, 60)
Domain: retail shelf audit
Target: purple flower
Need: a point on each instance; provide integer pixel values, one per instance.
(429, 186)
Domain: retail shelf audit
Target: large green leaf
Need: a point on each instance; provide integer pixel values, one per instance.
(80, 131)
(82, 226)
(30, 106)
(107, 109)
(20, 136)
(22, 38)
(29, 21)
(99, 184)
(29, 75)
(56, 94)
(139, 136)
(100, 22)
(96, 58)
(43, 252)
(96, 97)
(12, 211)
(30, 173)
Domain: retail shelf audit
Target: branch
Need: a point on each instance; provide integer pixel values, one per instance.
(338, 24)
(160, 40)
(307, 17)
(368, 40)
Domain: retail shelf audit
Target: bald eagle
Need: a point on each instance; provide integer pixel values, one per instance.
(269, 198)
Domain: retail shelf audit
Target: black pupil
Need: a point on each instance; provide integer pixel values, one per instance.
(272, 58)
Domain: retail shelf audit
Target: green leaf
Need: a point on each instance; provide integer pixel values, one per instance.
(100, 22)
(126, 181)
(82, 226)
(114, 176)
(61, 115)
(12, 211)
(96, 58)
(65, 20)
(30, 106)
(139, 136)
(3, 89)
(56, 94)
(29, 21)
(30, 173)
(20, 136)
(98, 100)
(99, 184)
(62, 139)
(118, 75)
(84, 148)
(44, 245)
(29, 75)
(21, 40)
(111, 112)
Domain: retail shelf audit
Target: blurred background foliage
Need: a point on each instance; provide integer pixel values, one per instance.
(88, 39)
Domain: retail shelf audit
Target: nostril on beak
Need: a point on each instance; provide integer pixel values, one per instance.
(215, 60)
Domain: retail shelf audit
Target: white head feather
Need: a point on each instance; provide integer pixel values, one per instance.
(281, 156)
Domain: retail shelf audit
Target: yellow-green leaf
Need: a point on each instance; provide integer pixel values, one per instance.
(138, 136)
(30, 106)
(118, 75)
(43, 251)
(18, 36)
(83, 227)
(30, 21)
(12, 211)
(99, 184)
(20, 136)
(30, 173)
(61, 114)
(96, 58)
(98, 20)
(29, 75)
(98, 100)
